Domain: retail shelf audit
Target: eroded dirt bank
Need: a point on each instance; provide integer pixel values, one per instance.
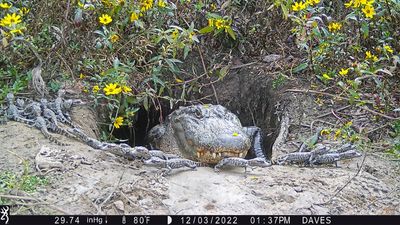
(94, 182)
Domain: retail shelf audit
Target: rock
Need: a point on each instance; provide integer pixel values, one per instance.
(272, 58)
(119, 205)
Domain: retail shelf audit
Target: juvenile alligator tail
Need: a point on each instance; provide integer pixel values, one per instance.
(59, 130)
(51, 138)
(257, 144)
(23, 120)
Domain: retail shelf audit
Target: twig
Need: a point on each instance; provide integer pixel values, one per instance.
(205, 71)
(242, 65)
(34, 199)
(330, 112)
(380, 114)
(66, 64)
(347, 183)
(378, 128)
(337, 117)
(321, 121)
(110, 195)
(19, 197)
(323, 93)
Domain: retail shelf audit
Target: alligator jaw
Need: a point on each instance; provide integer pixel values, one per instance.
(209, 156)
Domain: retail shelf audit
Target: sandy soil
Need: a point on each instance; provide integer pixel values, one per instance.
(89, 181)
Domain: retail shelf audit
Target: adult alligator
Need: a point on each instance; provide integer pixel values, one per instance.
(208, 134)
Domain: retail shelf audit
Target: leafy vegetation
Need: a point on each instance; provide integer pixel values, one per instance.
(128, 55)
(23, 182)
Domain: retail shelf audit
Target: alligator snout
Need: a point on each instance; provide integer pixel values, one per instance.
(212, 150)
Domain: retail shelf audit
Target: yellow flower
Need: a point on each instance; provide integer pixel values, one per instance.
(369, 11)
(334, 26)
(297, 6)
(105, 19)
(309, 2)
(388, 48)
(145, 5)
(112, 89)
(210, 22)
(11, 19)
(16, 31)
(191, 35)
(82, 76)
(126, 89)
(325, 132)
(369, 55)
(81, 5)
(213, 7)
(235, 134)
(95, 88)
(23, 11)
(175, 34)
(344, 72)
(161, 4)
(5, 5)
(326, 76)
(114, 38)
(348, 4)
(178, 80)
(219, 23)
(349, 124)
(134, 16)
(337, 134)
(118, 122)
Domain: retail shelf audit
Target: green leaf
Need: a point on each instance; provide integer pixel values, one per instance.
(223, 71)
(206, 30)
(365, 29)
(146, 104)
(231, 33)
(185, 52)
(300, 67)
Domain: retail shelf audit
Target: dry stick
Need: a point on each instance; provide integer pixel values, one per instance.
(205, 71)
(330, 112)
(347, 183)
(321, 121)
(323, 93)
(337, 117)
(380, 114)
(34, 199)
(378, 128)
(242, 65)
(109, 196)
(66, 64)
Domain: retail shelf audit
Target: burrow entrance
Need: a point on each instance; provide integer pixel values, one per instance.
(246, 93)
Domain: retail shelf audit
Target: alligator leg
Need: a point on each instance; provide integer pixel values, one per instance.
(256, 136)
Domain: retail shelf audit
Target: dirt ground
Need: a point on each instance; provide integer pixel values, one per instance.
(88, 181)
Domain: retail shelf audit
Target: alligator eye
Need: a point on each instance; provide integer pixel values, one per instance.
(198, 114)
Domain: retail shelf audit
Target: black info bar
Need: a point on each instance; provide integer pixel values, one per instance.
(198, 220)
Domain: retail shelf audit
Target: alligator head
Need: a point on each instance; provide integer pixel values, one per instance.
(205, 133)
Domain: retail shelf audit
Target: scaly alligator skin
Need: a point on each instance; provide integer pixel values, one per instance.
(40, 123)
(53, 124)
(334, 157)
(205, 133)
(302, 157)
(13, 113)
(57, 108)
(171, 163)
(240, 162)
